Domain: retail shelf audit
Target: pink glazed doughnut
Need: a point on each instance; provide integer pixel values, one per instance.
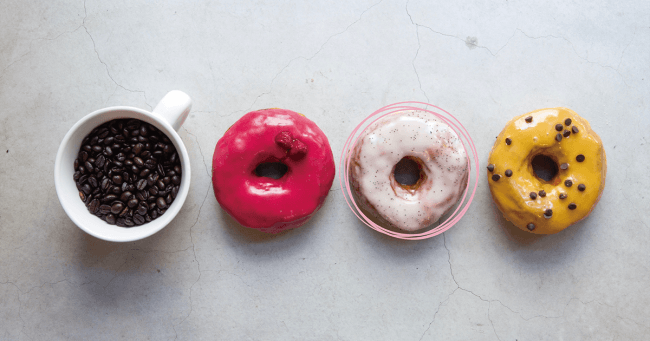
(272, 136)
(415, 137)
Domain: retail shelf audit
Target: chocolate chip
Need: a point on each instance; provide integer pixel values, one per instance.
(562, 195)
(559, 127)
(508, 173)
(496, 177)
(529, 119)
(568, 183)
(530, 226)
(574, 129)
(564, 166)
(566, 133)
(580, 158)
(533, 195)
(558, 137)
(490, 167)
(548, 213)
(508, 141)
(582, 187)
(567, 122)
(542, 193)
(573, 206)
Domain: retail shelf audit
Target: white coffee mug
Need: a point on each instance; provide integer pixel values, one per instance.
(168, 116)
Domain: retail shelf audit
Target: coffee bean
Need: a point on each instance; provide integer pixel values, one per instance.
(86, 189)
(161, 185)
(153, 190)
(138, 148)
(173, 158)
(117, 179)
(138, 219)
(129, 222)
(76, 175)
(100, 161)
(135, 169)
(93, 181)
(125, 187)
(133, 203)
(167, 180)
(104, 209)
(141, 184)
(161, 202)
(124, 212)
(128, 163)
(161, 170)
(142, 208)
(87, 148)
(94, 206)
(167, 149)
(157, 154)
(126, 196)
(82, 170)
(120, 222)
(138, 162)
(83, 179)
(176, 180)
(82, 195)
(169, 198)
(154, 215)
(141, 195)
(147, 218)
(116, 190)
(145, 154)
(117, 208)
(110, 219)
(109, 198)
(175, 191)
(178, 169)
(93, 140)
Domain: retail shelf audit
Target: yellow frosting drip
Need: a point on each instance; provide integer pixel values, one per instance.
(512, 194)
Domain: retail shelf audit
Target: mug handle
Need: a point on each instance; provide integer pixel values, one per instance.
(174, 108)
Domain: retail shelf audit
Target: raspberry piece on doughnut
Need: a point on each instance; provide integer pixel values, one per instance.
(298, 150)
(284, 139)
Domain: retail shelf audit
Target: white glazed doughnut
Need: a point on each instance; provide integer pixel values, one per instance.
(440, 157)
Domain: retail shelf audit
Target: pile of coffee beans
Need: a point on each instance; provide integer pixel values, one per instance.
(128, 172)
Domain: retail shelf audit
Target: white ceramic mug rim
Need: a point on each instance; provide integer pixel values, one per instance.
(163, 220)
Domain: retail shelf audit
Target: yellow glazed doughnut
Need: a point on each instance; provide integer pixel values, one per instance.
(562, 143)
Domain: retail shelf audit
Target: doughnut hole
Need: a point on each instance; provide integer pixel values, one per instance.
(408, 172)
(544, 167)
(273, 170)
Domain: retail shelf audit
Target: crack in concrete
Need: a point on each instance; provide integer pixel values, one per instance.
(586, 59)
(83, 24)
(417, 33)
(198, 265)
(313, 56)
(207, 171)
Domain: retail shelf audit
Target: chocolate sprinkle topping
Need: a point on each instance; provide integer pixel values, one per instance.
(573, 206)
(508, 173)
(508, 141)
(564, 166)
(574, 129)
(529, 119)
(548, 213)
(490, 167)
(582, 187)
(567, 122)
(542, 193)
(533, 195)
(559, 127)
(566, 133)
(568, 183)
(580, 158)
(558, 137)
(530, 226)
(562, 195)
(496, 177)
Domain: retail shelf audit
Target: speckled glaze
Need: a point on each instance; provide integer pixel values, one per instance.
(272, 135)
(529, 139)
(428, 141)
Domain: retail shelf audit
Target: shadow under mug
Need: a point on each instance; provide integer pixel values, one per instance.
(168, 116)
